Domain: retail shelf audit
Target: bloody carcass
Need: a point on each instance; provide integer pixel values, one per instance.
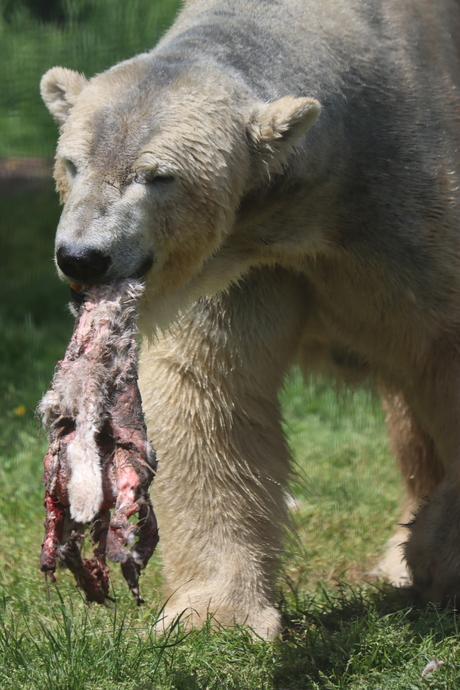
(99, 457)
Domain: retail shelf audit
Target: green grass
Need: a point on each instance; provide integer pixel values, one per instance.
(347, 489)
(340, 631)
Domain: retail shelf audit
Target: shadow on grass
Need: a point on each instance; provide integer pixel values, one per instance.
(335, 639)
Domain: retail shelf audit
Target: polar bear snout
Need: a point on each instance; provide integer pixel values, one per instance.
(82, 263)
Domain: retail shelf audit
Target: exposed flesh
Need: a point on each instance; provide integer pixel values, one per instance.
(99, 457)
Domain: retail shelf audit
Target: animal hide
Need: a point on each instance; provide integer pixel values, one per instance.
(99, 456)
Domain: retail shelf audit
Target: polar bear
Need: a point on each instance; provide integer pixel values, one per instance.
(285, 174)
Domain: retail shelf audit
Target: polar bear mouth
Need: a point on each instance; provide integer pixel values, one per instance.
(78, 291)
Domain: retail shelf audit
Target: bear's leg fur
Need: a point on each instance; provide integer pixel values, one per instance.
(432, 551)
(421, 471)
(209, 388)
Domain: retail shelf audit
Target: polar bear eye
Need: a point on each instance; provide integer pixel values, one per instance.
(70, 167)
(154, 177)
(158, 179)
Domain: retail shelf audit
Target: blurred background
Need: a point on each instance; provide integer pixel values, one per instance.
(86, 35)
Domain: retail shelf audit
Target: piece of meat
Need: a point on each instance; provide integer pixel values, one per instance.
(99, 457)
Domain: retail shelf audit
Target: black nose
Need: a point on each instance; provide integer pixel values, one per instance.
(83, 264)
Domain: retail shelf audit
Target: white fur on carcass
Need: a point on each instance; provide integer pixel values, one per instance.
(81, 387)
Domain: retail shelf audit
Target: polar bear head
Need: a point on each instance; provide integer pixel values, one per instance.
(152, 164)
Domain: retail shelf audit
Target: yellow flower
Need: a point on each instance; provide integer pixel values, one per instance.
(20, 410)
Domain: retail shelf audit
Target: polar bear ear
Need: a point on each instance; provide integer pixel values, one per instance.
(276, 127)
(59, 88)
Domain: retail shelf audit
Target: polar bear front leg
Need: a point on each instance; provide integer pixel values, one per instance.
(210, 395)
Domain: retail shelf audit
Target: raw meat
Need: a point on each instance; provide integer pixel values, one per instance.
(99, 456)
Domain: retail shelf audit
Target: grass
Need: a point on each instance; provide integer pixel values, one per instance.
(340, 631)
(347, 489)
